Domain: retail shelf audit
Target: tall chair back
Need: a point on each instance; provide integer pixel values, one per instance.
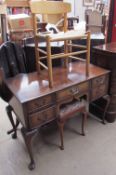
(50, 11)
(94, 22)
(12, 62)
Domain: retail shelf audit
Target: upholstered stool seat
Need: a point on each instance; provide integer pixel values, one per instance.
(68, 110)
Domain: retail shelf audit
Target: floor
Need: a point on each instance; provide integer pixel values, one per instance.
(93, 154)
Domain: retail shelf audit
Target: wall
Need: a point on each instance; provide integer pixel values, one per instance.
(72, 7)
(77, 8)
(80, 9)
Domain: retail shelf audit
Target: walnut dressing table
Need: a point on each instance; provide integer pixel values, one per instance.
(35, 104)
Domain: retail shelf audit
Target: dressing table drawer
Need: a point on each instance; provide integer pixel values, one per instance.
(39, 118)
(99, 87)
(39, 103)
(99, 80)
(72, 91)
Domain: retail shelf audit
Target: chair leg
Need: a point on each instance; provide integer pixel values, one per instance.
(61, 129)
(14, 130)
(84, 117)
(37, 56)
(49, 63)
(66, 49)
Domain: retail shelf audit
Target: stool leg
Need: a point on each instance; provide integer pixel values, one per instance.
(61, 129)
(84, 117)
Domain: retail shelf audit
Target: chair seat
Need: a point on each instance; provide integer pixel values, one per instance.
(68, 110)
(72, 34)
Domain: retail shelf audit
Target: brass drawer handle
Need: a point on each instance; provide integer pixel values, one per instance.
(74, 90)
(100, 80)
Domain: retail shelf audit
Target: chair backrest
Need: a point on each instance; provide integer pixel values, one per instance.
(12, 62)
(48, 9)
(12, 59)
(100, 7)
(71, 21)
(94, 22)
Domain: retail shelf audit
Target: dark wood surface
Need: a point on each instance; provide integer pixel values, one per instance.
(31, 86)
(109, 48)
(35, 104)
(105, 56)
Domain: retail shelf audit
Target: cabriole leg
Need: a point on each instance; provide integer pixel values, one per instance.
(28, 136)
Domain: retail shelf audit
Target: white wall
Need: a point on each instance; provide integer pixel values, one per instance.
(80, 9)
(72, 7)
(77, 8)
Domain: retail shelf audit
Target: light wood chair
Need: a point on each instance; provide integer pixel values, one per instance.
(48, 9)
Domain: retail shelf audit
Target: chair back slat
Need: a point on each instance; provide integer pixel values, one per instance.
(49, 7)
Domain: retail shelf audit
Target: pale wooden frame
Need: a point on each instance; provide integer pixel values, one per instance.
(86, 3)
(55, 7)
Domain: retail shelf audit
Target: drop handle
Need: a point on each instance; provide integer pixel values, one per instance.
(74, 90)
(100, 80)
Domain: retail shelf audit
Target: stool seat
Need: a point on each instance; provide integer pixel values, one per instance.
(68, 110)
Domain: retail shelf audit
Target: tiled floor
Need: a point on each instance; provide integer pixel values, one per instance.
(94, 154)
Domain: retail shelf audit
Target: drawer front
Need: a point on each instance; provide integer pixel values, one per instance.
(100, 80)
(74, 90)
(99, 91)
(38, 103)
(42, 117)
